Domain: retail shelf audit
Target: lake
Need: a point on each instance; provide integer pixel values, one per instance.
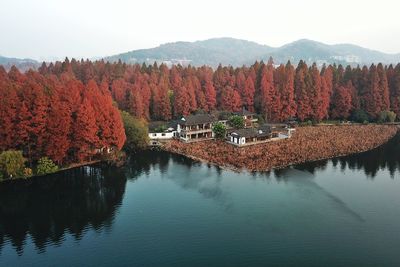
(167, 210)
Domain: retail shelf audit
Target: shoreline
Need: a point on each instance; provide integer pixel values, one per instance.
(180, 148)
(328, 146)
(72, 166)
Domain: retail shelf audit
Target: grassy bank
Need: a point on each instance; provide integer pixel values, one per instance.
(307, 144)
(71, 166)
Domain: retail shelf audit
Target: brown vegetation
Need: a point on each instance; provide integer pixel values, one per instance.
(307, 144)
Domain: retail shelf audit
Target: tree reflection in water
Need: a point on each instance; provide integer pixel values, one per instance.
(75, 201)
(48, 208)
(386, 156)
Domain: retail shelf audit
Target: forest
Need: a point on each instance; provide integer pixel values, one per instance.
(277, 92)
(57, 116)
(69, 111)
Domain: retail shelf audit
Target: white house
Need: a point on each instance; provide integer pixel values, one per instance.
(159, 133)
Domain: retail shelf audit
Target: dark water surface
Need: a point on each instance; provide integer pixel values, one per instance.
(166, 210)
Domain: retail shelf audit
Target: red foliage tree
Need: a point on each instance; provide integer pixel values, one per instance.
(383, 89)
(8, 111)
(85, 136)
(372, 99)
(394, 88)
(57, 130)
(135, 103)
(284, 80)
(248, 94)
(341, 105)
(302, 85)
(270, 99)
(230, 99)
(315, 94)
(181, 102)
(210, 94)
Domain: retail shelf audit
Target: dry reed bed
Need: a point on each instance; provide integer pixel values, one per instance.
(307, 144)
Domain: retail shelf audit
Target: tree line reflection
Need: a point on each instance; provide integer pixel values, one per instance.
(385, 157)
(48, 209)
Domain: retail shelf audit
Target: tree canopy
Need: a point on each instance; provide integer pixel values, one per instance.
(219, 130)
(12, 164)
(237, 121)
(136, 131)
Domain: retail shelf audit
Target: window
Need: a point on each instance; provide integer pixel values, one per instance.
(154, 134)
(163, 134)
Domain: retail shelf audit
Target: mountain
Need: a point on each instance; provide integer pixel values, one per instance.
(235, 52)
(312, 51)
(22, 64)
(227, 51)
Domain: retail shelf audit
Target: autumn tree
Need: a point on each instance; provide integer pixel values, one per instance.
(315, 94)
(182, 102)
(59, 121)
(230, 99)
(248, 94)
(302, 85)
(394, 88)
(341, 105)
(8, 111)
(269, 95)
(85, 132)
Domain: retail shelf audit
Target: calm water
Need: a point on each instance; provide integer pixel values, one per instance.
(165, 210)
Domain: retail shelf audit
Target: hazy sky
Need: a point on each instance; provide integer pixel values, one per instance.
(48, 29)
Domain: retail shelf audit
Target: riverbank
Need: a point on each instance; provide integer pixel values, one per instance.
(307, 144)
(71, 166)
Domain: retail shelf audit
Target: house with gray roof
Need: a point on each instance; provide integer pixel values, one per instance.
(196, 127)
(261, 134)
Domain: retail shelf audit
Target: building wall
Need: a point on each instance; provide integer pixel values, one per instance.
(238, 140)
(167, 135)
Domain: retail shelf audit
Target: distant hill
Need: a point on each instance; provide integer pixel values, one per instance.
(227, 51)
(22, 64)
(235, 52)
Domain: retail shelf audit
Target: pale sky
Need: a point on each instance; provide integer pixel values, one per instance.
(53, 29)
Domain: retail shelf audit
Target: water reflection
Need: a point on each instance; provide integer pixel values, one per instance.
(48, 208)
(386, 156)
(206, 180)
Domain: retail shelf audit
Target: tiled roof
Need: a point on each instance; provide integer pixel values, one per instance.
(243, 112)
(252, 132)
(197, 119)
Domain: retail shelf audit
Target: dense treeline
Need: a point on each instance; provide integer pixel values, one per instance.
(57, 116)
(277, 92)
(65, 111)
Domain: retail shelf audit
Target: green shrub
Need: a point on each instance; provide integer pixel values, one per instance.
(160, 129)
(360, 116)
(224, 115)
(46, 166)
(219, 130)
(386, 116)
(236, 122)
(260, 119)
(12, 164)
(136, 131)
